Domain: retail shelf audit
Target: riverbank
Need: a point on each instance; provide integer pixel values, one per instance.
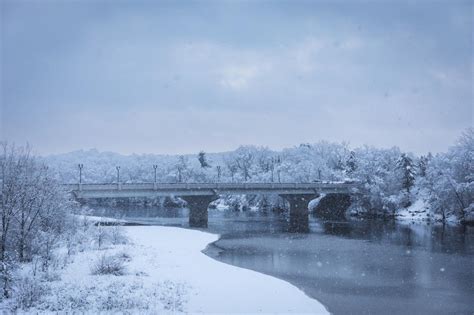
(150, 269)
(174, 254)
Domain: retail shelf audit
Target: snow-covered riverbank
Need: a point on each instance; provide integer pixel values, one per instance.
(157, 270)
(168, 253)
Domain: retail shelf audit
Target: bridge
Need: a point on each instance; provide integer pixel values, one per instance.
(199, 195)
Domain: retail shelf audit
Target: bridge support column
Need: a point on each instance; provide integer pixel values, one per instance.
(299, 221)
(197, 205)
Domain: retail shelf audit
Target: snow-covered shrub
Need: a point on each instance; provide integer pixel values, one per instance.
(124, 256)
(46, 242)
(66, 298)
(83, 237)
(101, 236)
(117, 235)
(7, 269)
(124, 296)
(28, 292)
(173, 296)
(109, 265)
(118, 295)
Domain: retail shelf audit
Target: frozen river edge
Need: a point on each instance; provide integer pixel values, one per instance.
(175, 254)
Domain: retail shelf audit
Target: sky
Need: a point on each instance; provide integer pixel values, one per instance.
(184, 76)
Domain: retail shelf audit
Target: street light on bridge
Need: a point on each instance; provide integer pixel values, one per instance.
(272, 167)
(155, 167)
(80, 165)
(277, 161)
(218, 173)
(118, 174)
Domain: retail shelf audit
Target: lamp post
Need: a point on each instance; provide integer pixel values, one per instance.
(80, 172)
(154, 168)
(81, 166)
(218, 173)
(179, 174)
(118, 175)
(278, 162)
(272, 167)
(3, 185)
(154, 182)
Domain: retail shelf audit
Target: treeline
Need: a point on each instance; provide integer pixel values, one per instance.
(392, 179)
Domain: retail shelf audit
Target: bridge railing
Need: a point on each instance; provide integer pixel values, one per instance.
(207, 186)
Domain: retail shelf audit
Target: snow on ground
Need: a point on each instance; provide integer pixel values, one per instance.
(97, 219)
(168, 253)
(221, 206)
(164, 271)
(418, 211)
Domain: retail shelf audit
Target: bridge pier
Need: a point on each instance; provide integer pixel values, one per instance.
(299, 220)
(197, 205)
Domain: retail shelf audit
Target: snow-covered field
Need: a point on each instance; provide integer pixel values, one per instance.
(158, 270)
(168, 253)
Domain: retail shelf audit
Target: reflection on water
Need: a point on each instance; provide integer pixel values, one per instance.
(358, 267)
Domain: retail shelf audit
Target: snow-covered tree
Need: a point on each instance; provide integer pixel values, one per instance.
(391, 179)
(33, 204)
(407, 172)
(450, 180)
(351, 164)
(422, 165)
(244, 159)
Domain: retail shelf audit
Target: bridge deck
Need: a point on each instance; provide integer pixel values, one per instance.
(204, 189)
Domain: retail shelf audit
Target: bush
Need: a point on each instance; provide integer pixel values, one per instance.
(29, 292)
(109, 265)
(119, 295)
(117, 235)
(172, 295)
(101, 236)
(124, 256)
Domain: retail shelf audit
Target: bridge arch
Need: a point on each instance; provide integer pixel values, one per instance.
(332, 206)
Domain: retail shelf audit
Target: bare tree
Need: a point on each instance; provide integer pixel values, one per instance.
(32, 202)
(231, 166)
(244, 160)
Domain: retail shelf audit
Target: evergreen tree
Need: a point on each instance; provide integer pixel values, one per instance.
(351, 165)
(405, 165)
(422, 165)
(203, 160)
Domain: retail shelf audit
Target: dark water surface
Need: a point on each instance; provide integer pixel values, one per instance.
(355, 267)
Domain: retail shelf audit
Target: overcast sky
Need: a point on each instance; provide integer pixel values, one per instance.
(178, 77)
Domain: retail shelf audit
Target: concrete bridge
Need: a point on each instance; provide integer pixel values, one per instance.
(199, 195)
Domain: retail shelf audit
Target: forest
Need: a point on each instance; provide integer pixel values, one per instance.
(393, 180)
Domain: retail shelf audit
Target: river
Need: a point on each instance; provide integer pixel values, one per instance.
(352, 267)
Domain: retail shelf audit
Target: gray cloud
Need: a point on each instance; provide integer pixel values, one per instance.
(174, 77)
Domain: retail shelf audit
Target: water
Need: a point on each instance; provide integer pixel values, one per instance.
(356, 267)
